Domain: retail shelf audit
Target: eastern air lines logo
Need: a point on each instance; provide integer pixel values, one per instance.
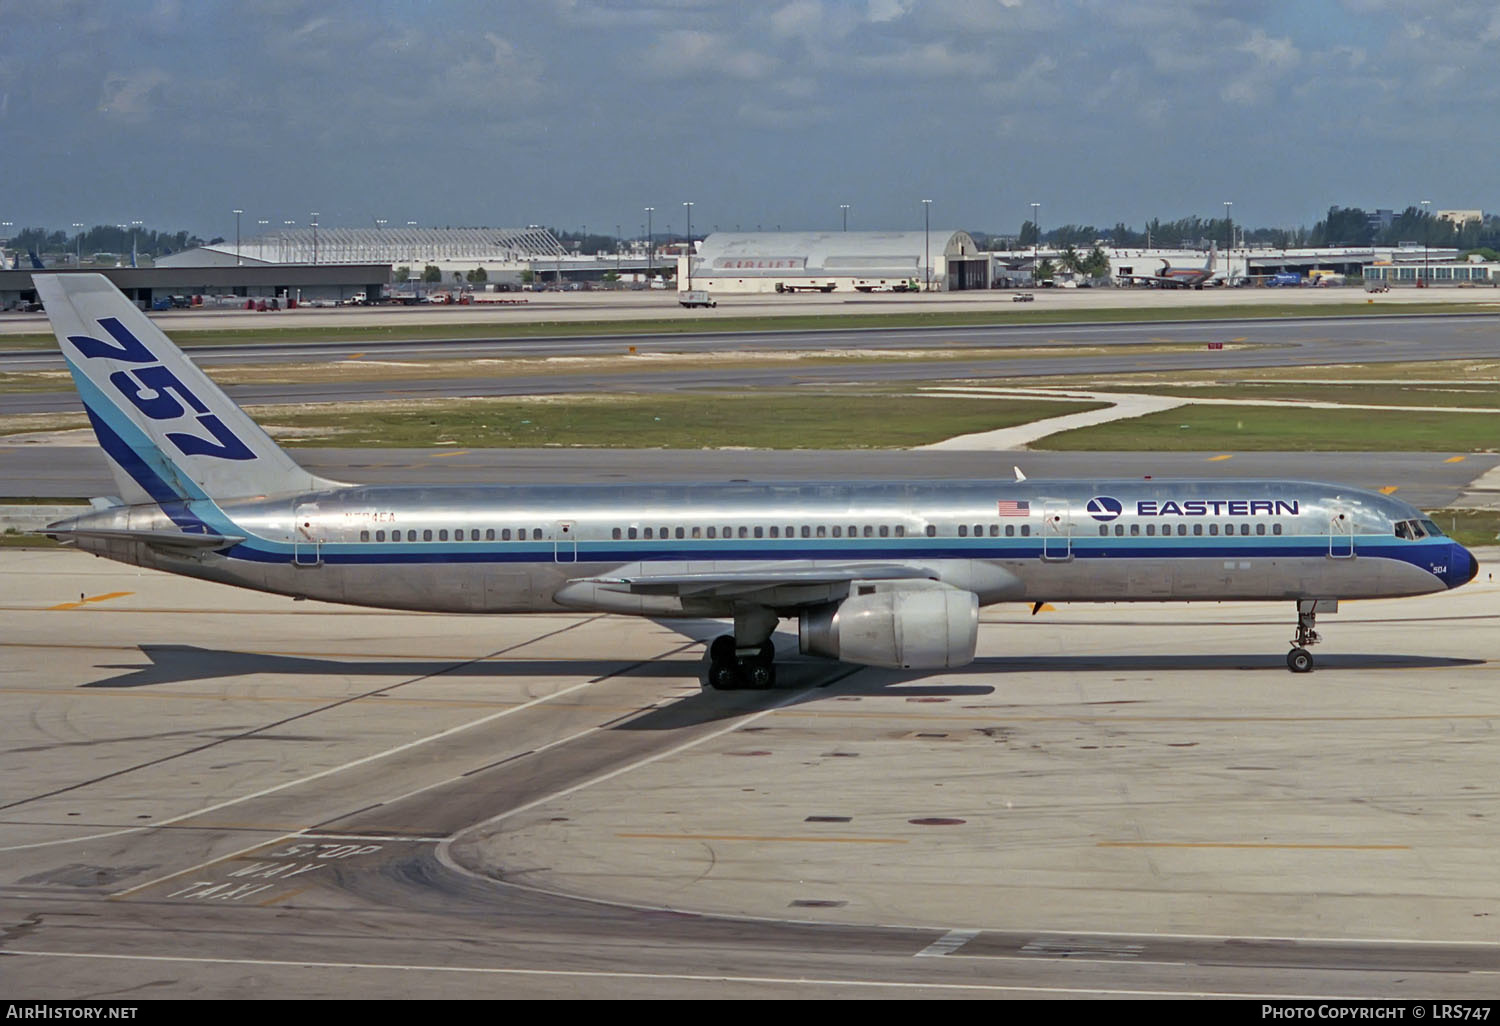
(1103, 508)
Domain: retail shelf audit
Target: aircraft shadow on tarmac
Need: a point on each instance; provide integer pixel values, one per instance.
(176, 664)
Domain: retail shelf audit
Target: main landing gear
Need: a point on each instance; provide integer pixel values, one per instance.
(745, 659)
(732, 668)
(1299, 659)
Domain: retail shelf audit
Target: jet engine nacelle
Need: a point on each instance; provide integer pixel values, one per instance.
(899, 626)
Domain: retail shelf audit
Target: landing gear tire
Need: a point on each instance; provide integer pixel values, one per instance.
(723, 676)
(1299, 660)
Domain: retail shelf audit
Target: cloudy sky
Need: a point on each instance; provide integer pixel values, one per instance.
(761, 112)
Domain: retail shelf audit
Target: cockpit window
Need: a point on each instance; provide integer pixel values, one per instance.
(1416, 530)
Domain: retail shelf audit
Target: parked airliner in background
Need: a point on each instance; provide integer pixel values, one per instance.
(880, 573)
(1180, 277)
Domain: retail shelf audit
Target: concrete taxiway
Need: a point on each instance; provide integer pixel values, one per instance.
(211, 792)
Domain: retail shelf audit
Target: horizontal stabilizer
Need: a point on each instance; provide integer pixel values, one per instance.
(157, 539)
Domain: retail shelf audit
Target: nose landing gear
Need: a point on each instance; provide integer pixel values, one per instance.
(1299, 659)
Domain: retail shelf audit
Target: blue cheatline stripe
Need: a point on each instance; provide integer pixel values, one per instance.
(416, 553)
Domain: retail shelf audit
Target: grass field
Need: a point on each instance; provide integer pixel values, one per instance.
(1477, 394)
(672, 421)
(1291, 429)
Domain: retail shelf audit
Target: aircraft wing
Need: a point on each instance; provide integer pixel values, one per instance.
(742, 583)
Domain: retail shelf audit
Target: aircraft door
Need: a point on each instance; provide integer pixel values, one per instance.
(1340, 534)
(307, 535)
(565, 542)
(1057, 531)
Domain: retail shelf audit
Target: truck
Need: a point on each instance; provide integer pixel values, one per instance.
(695, 297)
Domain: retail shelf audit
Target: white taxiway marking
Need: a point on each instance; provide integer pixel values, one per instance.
(948, 943)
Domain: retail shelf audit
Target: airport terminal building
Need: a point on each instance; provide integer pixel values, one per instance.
(730, 262)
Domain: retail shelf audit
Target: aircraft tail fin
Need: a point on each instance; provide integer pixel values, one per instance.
(36, 261)
(170, 433)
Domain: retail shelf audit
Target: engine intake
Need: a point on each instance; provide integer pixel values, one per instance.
(898, 626)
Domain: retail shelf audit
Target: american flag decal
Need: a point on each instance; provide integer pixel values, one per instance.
(1014, 508)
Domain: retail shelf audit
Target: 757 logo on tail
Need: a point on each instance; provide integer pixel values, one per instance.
(157, 393)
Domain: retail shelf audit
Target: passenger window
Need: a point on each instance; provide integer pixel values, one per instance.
(630, 533)
(994, 530)
(662, 534)
(677, 533)
(1151, 530)
(1213, 529)
(1244, 529)
(1119, 530)
(900, 530)
(1025, 530)
(697, 532)
(364, 536)
(791, 532)
(744, 533)
(443, 534)
(760, 532)
(615, 534)
(395, 536)
(1275, 528)
(713, 532)
(979, 530)
(1103, 530)
(1260, 528)
(838, 532)
(1198, 529)
(823, 531)
(380, 536)
(853, 531)
(427, 535)
(931, 531)
(1010, 530)
(728, 532)
(884, 531)
(806, 531)
(963, 530)
(489, 534)
(536, 534)
(646, 534)
(505, 534)
(1181, 530)
(1135, 530)
(775, 532)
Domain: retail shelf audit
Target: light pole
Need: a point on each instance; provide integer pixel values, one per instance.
(927, 245)
(844, 209)
(133, 226)
(619, 242)
(1036, 232)
(649, 246)
(1426, 242)
(262, 222)
(1229, 229)
(689, 205)
(78, 258)
(237, 259)
(315, 237)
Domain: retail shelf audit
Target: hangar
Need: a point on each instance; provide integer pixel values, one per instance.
(227, 285)
(730, 262)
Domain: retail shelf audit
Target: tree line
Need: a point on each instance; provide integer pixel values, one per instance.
(105, 238)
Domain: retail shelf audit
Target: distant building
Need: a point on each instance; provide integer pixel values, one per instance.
(945, 260)
(1460, 217)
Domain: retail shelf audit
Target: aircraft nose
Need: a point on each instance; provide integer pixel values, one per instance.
(1462, 567)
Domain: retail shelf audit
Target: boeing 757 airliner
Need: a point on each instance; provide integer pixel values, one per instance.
(877, 573)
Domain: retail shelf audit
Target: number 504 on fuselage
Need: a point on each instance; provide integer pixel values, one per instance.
(877, 573)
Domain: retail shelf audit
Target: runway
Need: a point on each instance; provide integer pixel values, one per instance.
(1256, 343)
(214, 793)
